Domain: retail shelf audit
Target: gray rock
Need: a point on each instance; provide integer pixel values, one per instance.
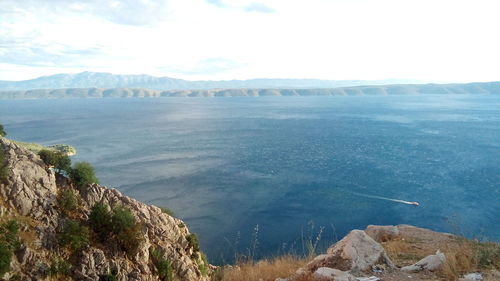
(430, 263)
(472, 277)
(371, 278)
(382, 233)
(355, 252)
(325, 273)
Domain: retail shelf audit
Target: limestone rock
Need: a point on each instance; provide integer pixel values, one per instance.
(371, 278)
(430, 263)
(326, 273)
(472, 277)
(30, 192)
(355, 252)
(382, 233)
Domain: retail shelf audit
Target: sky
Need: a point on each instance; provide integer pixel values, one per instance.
(428, 40)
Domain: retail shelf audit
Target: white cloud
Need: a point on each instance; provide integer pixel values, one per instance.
(450, 40)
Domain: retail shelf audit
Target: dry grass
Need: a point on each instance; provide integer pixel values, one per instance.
(266, 270)
(462, 255)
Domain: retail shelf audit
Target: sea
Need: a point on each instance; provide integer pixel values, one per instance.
(260, 176)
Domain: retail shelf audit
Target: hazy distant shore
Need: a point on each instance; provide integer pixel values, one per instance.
(382, 90)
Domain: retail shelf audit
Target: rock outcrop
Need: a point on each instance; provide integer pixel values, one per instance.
(355, 252)
(331, 274)
(430, 263)
(29, 195)
(382, 233)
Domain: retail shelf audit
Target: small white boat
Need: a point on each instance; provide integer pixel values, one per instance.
(414, 203)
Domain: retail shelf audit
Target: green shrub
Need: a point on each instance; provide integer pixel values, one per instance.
(203, 264)
(100, 221)
(63, 163)
(127, 231)
(67, 201)
(83, 174)
(193, 242)
(57, 159)
(9, 242)
(108, 277)
(2, 131)
(73, 235)
(130, 239)
(5, 258)
(167, 211)
(4, 170)
(59, 267)
(122, 219)
(487, 254)
(163, 266)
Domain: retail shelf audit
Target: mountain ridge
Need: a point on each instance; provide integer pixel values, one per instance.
(372, 90)
(108, 80)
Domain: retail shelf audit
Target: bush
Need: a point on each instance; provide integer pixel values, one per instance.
(2, 131)
(487, 254)
(59, 267)
(5, 258)
(83, 174)
(127, 231)
(57, 159)
(203, 264)
(100, 221)
(67, 201)
(119, 225)
(4, 170)
(130, 239)
(108, 277)
(74, 235)
(163, 266)
(193, 242)
(167, 211)
(9, 242)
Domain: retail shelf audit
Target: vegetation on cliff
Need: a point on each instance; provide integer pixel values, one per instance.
(36, 148)
(74, 229)
(9, 242)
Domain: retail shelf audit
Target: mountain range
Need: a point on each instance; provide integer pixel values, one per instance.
(108, 80)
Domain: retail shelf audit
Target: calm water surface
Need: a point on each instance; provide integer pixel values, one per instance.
(286, 164)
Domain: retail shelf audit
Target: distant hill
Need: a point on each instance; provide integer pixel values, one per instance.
(402, 89)
(108, 80)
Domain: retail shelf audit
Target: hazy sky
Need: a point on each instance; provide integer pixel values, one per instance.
(438, 40)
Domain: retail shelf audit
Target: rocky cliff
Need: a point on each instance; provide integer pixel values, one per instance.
(29, 196)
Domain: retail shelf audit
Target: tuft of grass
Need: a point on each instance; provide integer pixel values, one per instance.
(167, 211)
(193, 242)
(163, 266)
(268, 269)
(60, 267)
(9, 242)
(4, 169)
(203, 264)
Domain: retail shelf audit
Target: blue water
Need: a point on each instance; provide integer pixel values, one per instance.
(286, 164)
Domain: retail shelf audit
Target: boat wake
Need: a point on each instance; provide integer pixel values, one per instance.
(387, 199)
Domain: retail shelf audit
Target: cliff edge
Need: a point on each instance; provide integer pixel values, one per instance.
(30, 200)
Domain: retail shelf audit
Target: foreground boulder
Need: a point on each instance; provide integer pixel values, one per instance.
(430, 263)
(355, 252)
(331, 274)
(382, 233)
